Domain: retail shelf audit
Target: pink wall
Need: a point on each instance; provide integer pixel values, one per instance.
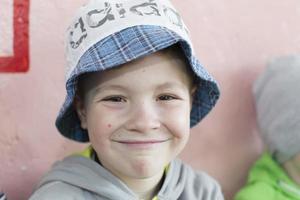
(233, 39)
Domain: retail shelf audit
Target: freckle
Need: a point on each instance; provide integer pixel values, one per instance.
(109, 125)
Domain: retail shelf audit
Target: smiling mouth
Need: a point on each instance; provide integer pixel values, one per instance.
(137, 142)
(141, 144)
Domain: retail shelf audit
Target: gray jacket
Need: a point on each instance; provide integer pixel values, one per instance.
(80, 178)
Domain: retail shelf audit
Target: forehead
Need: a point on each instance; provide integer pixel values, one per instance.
(163, 66)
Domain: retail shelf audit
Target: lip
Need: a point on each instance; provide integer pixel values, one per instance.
(141, 143)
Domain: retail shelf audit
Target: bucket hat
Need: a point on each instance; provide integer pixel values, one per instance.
(107, 34)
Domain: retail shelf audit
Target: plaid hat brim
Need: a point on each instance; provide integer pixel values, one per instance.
(122, 47)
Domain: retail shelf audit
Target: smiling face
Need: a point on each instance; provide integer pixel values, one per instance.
(138, 115)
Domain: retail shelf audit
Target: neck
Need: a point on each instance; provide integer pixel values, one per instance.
(292, 167)
(146, 188)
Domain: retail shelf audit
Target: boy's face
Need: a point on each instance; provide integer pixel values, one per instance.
(137, 115)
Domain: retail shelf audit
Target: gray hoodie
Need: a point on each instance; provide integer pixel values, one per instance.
(80, 178)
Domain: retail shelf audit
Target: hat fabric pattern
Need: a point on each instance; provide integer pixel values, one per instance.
(107, 34)
(276, 93)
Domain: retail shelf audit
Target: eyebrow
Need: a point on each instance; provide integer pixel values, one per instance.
(99, 89)
(171, 85)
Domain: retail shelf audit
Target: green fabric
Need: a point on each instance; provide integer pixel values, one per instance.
(268, 181)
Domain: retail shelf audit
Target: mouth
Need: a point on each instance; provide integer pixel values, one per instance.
(142, 143)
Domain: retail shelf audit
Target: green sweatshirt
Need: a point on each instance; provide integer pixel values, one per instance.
(268, 181)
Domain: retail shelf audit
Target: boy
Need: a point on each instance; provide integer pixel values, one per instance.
(134, 88)
(276, 175)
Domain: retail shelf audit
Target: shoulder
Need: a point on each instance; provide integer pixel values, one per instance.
(257, 191)
(197, 177)
(63, 180)
(262, 180)
(199, 183)
(56, 190)
(266, 169)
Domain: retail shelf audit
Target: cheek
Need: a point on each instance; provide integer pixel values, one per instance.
(101, 118)
(178, 121)
(103, 122)
(99, 126)
(100, 134)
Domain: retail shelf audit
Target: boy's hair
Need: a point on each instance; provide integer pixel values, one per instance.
(276, 92)
(102, 37)
(173, 50)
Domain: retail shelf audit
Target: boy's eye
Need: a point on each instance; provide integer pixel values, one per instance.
(166, 98)
(115, 99)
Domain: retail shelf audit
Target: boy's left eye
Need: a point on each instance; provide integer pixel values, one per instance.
(166, 98)
(115, 99)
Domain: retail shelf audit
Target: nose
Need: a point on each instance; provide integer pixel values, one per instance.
(143, 118)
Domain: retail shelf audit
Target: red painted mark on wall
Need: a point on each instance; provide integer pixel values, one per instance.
(19, 61)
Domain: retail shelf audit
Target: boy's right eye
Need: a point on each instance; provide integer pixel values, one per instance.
(115, 99)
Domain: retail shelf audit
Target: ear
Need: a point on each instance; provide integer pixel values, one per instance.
(81, 111)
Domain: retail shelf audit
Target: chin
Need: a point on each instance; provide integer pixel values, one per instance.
(146, 169)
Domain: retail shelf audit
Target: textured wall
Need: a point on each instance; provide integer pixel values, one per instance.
(234, 39)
